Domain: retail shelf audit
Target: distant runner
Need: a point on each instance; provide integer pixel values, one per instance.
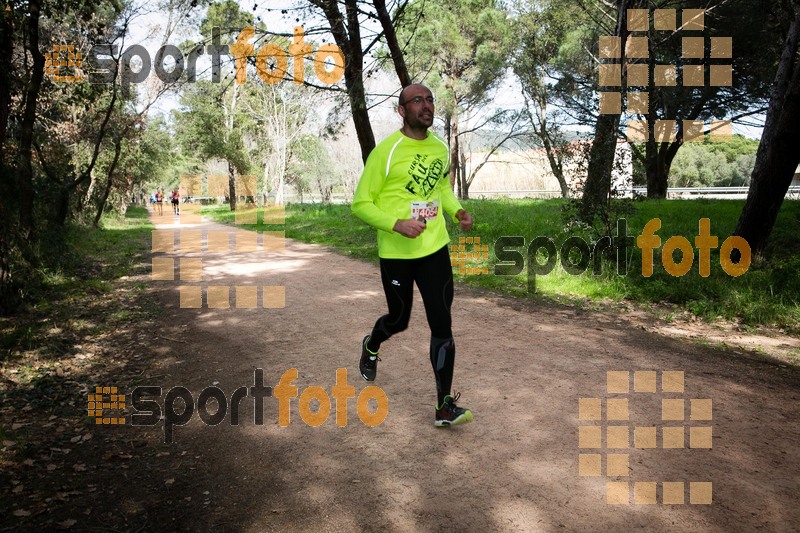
(176, 199)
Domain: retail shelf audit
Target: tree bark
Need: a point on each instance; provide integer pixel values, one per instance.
(601, 162)
(348, 39)
(107, 191)
(232, 185)
(391, 42)
(462, 173)
(229, 129)
(601, 155)
(658, 161)
(779, 151)
(556, 161)
(454, 182)
(6, 53)
(25, 184)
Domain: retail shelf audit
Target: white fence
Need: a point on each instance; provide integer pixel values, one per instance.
(725, 193)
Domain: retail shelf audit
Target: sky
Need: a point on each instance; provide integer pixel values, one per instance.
(148, 31)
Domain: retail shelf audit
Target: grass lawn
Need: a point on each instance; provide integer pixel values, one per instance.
(768, 293)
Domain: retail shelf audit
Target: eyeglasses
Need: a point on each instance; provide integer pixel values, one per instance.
(419, 99)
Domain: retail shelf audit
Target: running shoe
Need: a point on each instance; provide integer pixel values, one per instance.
(449, 414)
(368, 366)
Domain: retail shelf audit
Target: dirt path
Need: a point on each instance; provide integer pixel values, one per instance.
(521, 368)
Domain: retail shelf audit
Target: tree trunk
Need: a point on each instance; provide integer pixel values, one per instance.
(25, 185)
(655, 169)
(454, 181)
(601, 162)
(129, 197)
(107, 192)
(391, 42)
(462, 173)
(658, 162)
(348, 39)
(6, 53)
(779, 151)
(62, 205)
(229, 128)
(601, 155)
(556, 161)
(358, 106)
(88, 196)
(232, 186)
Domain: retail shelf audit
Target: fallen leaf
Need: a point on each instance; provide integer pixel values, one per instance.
(51, 467)
(170, 481)
(17, 489)
(66, 524)
(8, 443)
(21, 512)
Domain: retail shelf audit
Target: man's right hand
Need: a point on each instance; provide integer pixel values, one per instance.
(409, 228)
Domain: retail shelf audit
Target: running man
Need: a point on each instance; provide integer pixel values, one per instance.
(404, 192)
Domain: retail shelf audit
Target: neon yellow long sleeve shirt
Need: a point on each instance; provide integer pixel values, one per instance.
(406, 178)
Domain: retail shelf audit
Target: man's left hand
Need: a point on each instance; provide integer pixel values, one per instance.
(464, 219)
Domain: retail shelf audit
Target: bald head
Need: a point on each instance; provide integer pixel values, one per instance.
(410, 91)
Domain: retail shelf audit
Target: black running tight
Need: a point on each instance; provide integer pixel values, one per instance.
(433, 274)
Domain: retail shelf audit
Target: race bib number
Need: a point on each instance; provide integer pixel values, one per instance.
(426, 210)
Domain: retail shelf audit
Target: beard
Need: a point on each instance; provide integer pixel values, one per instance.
(420, 121)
